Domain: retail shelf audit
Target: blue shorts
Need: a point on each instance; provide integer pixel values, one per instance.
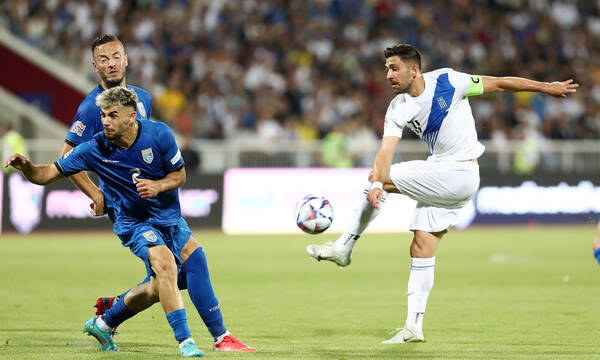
(141, 236)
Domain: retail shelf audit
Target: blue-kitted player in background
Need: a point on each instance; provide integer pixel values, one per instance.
(141, 169)
(110, 63)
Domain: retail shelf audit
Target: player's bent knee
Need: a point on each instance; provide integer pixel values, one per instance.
(188, 249)
(425, 243)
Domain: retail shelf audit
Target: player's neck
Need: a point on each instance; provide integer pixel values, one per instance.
(106, 87)
(128, 139)
(417, 87)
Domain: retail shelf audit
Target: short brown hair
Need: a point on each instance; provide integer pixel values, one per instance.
(406, 52)
(103, 39)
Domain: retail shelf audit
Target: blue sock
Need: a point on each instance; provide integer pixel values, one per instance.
(597, 255)
(122, 296)
(118, 313)
(202, 294)
(178, 321)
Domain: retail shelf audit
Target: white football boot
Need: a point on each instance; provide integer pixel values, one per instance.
(405, 335)
(327, 252)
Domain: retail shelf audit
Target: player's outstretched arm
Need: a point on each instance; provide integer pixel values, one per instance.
(150, 188)
(500, 84)
(37, 174)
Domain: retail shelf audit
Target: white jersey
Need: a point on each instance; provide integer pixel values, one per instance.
(441, 115)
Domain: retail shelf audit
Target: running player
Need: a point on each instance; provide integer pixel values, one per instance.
(435, 106)
(141, 169)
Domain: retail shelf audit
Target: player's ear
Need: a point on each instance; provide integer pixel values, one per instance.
(132, 115)
(414, 70)
(126, 61)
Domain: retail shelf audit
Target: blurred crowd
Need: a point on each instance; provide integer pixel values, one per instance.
(307, 69)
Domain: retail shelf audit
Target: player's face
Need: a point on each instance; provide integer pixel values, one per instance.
(110, 63)
(117, 120)
(400, 74)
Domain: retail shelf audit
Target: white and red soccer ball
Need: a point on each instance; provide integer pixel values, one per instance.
(313, 214)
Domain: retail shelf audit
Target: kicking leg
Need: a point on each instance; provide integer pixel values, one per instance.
(340, 252)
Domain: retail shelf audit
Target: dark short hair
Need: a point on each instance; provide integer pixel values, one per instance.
(103, 39)
(406, 52)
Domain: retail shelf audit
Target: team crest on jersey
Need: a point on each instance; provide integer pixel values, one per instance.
(141, 109)
(147, 155)
(150, 236)
(78, 128)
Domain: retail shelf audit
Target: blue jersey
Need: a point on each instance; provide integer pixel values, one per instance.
(87, 120)
(153, 155)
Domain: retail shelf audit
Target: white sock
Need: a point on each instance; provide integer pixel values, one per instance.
(420, 283)
(362, 215)
(220, 338)
(102, 325)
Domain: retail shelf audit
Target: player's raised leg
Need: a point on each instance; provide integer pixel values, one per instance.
(340, 251)
(420, 283)
(203, 297)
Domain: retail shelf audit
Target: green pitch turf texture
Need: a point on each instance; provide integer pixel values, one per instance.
(500, 293)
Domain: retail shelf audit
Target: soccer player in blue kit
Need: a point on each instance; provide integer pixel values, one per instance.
(110, 62)
(141, 169)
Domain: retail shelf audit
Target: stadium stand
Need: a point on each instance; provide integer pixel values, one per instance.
(273, 71)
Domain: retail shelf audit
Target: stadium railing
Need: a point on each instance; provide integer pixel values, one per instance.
(547, 156)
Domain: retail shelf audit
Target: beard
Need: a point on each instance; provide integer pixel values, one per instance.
(113, 83)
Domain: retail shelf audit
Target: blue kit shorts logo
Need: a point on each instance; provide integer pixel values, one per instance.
(150, 236)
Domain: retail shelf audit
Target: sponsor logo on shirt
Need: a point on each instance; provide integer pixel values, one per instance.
(147, 155)
(150, 236)
(110, 161)
(141, 109)
(442, 103)
(78, 128)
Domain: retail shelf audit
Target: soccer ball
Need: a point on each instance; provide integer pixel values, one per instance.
(313, 214)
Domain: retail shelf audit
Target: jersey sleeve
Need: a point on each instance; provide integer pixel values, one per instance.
(466, 85)
(149, 105)
(394, 122)
(84, 124)
(169, 152)
(74, 161)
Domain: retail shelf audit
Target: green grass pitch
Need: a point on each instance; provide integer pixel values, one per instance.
(499, 293)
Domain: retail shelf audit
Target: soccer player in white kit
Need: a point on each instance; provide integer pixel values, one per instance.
(435, 106)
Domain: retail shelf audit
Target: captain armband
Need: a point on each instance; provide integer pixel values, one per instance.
(475, 85)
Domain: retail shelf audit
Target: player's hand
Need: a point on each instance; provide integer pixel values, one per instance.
(374, 196)
(147, 188)
(97, 207)
(562, 88)
(18, 161)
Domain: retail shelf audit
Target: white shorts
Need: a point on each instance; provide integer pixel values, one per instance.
(441, 189)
